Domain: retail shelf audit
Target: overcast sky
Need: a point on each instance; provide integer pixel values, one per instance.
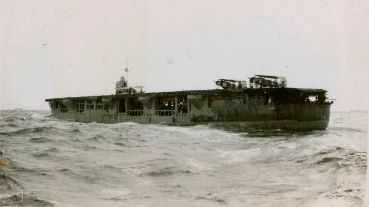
(73, 48)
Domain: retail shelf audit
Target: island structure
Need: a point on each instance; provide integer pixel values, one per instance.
(264, 103)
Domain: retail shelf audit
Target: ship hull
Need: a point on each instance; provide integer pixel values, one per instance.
(288, 125)
(305, 119)
(285, 109)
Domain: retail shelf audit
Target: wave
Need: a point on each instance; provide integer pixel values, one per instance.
(13, 119)
(328, 160)
(75, 130)
(97, 138)
(24, 200)
(39, 139)
(89, 147)
(355, 158)
(329, 151)
(23, 170)
(121, 144)
(212, 198)
(6, 124)
(342, 159)
(165, 172)
(351, 196)
(347, 129)
(37, 116)
(86, 176)
(8, 184)
(337, 156)
(27, 131)
(45, 153)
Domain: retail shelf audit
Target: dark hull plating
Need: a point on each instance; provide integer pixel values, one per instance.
(282, 108)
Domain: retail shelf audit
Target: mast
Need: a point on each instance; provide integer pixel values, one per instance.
(127, 71)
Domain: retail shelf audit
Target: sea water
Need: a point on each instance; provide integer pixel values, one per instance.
(50, 162)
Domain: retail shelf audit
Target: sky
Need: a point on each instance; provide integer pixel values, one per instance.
(79, 48)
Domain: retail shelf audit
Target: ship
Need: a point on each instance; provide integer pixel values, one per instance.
(262, 102)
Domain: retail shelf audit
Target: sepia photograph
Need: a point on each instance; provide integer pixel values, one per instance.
(195, 103)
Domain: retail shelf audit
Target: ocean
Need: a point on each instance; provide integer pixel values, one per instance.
(49, 162)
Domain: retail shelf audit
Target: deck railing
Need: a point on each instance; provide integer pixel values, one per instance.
(135, 112)
(157, 113)
(164, 112)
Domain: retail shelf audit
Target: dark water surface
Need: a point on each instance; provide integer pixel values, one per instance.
(59, 163)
